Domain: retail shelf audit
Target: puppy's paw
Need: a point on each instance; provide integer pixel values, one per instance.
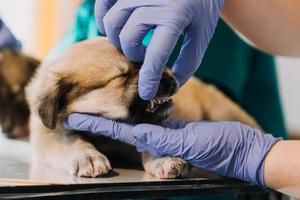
(170, 167)
(90, 163)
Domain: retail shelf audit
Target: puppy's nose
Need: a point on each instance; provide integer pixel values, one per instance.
(168, 85)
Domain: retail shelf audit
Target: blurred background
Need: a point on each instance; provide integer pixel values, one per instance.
(41, 24)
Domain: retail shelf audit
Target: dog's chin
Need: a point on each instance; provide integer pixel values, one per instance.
(146, 112)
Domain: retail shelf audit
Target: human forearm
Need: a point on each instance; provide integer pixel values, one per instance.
(282, 168)
(273, 26)
(225, 148)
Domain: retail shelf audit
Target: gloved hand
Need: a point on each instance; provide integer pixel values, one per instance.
(225, 148)
(126, 23)
(7, 39)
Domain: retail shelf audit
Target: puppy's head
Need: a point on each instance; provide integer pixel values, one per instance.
(16, 70)
(94, 77)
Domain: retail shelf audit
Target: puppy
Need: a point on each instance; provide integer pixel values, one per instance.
(16, 70)
(94, 77)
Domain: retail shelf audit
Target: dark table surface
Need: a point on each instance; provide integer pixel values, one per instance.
(21, 179)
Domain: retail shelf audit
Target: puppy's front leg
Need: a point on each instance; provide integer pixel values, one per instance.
(68, 152)
(165, 167)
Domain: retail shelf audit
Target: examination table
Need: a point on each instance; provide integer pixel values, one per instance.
(20, 179)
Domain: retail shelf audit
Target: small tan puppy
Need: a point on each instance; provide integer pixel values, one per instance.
(94, 77)
(16, 69)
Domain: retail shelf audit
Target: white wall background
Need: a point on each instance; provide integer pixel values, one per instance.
(289, 78)
(19, 14)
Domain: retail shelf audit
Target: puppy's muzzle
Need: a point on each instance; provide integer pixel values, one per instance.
(168, 87)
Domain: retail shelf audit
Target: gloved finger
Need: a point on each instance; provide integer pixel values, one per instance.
(157, 54)
(101, 126)
(110, 128)
(114, 20)
(174, 123)
(84, 122)
(189, 59)
(159, 139)
(194, 46)
(132, 35)
(101, 8)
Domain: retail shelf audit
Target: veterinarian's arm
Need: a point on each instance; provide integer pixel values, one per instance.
(126, 23)
(273, 26)
(282, 168)
(7, 39)
(225, 148)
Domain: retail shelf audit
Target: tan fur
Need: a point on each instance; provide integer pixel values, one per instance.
(197, 100)
(102, 81)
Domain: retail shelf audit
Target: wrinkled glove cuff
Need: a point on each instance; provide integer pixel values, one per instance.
(270, 141)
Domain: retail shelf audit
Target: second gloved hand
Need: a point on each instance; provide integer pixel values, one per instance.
(126, 24)
(7, 39)
(224, 148)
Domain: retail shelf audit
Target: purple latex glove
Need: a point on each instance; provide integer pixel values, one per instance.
(7, 39)
(126, 23)
(225, 148)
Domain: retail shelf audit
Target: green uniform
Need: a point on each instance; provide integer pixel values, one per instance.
(243, 73)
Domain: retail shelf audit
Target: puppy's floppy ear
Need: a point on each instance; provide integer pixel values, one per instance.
(48, 108)
(51, 104)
